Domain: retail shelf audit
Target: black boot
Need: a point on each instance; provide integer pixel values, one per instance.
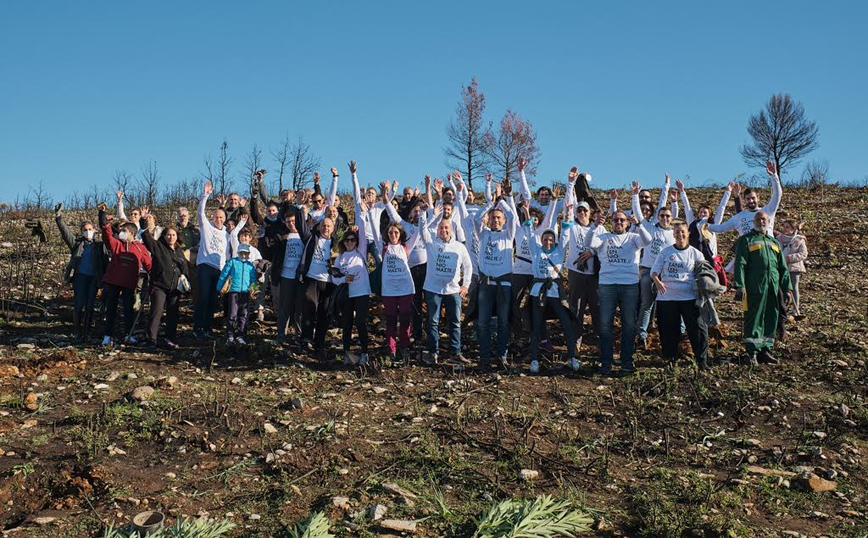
(77, 326)
(765, 356)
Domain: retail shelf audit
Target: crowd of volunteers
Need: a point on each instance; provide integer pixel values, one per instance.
(514, 274)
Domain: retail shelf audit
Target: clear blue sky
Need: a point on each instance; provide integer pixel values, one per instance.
(624, 90)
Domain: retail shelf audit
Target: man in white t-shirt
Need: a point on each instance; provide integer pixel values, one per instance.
(673, 274)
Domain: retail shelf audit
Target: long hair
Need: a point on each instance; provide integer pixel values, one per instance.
(179, 243)
(397, 225)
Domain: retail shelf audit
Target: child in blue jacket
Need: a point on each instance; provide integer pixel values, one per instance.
(241, 273)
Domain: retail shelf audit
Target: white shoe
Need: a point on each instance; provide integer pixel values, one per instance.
(240, 341)
(575, 365)
(230, 340)
(107, 341)
(363, 359)
(534, 366)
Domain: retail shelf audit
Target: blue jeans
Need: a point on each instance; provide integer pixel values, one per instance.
(493, 299)
(84, 293)
(207, 278)
(646, 304)
(453, 318)
(627, 297)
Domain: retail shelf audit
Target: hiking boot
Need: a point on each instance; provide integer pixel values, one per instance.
(642, 344)
(703, 365)
(766, 357)
(534, 366)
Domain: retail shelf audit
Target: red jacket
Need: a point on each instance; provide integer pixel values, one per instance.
(123, 269)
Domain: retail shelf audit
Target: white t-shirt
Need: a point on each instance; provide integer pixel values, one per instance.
(396, 280)
(292, 257)
(618, 254)
(675, 267)
(446, 263)
(660, 239)
(352, 263)
(575, 237)
(319, 263)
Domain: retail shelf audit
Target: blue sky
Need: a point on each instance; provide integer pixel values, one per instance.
(623, 90)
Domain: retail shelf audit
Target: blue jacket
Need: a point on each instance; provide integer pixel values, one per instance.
(241, 274)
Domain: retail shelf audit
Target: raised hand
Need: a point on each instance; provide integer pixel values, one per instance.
(525, 204)
(459, 186)
(395, 186)
(120, 195)
(522, 164)
(334, 172)
(208, 188)
(101, 206)
(680, 185)
(667, 179)
(258, 175)
(222, 199)
(427, 182)
(143, 211)
(736, 190)
(58, 207)
(352, 166)
(599, 218)
(633, 219)
(489, 176)
(242, 201)
(574, 174)
(730, 187)
(673, 196)
(316, 178)
(457, 175)
(635, 187)
(507, 186)
(438, 186)
(438, 208)
(771, 169)
(498, 191)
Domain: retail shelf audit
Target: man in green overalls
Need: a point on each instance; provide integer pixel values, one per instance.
(760, 274)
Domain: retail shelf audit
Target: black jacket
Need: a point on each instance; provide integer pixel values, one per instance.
(167, 264)
(76, 247)
(271, 232)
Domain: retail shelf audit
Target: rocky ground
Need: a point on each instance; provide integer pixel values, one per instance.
(264, 438)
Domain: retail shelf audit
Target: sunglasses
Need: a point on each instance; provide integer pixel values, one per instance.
(582, 209)
(317, 200)
(619, 220)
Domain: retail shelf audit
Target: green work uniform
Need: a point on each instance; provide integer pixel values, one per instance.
(760, 269)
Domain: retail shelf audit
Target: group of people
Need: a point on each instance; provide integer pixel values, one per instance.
(507, 265)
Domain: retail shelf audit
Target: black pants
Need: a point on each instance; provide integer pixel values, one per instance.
(316, 315)
(286, 312)
(207, 278)
(113, 293)
(238, 306)
(521, 317)
(171, 302)
(669, 316)
(582, 296)
(538, 312)
(356, 313)
(418, 273)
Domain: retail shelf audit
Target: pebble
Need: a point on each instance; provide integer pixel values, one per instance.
(143, 393)
(132, 375)
(113, 377)
(31, 401)
(236, 381)
(255, 517)
(400, 525)
(43, 520)
(171, 476)
(100, 386)
(528, 474)
(42, 377)
(269, 428)
(26, 346)
(380, 390)
(341, 502)
(377, 511)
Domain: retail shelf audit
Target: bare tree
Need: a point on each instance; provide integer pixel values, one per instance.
(282, 156)
(38, 197)
(816, 174)
(122, 180)
(466, 133)
(302, 164)
(780, 132)
(514, 139)
(149, 183)
(253, 161)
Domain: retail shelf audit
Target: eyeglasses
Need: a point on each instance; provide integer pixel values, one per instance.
(619, 220)
(582, 209)
(317, 200)
(664, 216)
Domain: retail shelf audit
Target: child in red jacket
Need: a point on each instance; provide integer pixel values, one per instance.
(122, 274)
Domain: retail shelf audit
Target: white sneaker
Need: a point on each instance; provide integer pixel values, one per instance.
(534, 366)
(230, 340)
(363, 359)
(575, 365)
(107, 341)
(240, 341)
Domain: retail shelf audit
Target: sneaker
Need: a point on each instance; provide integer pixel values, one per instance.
(108, 341)
(170, 345)
(230, 340)
(363, 359)
(547, 346)
(504, 362)
(575, 364)
(260, 316)
(131, 340)
(534, 366)
(240, 341)
(641, 344)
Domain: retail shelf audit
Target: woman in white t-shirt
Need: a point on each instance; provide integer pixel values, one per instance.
(293, 247)
(673, 274)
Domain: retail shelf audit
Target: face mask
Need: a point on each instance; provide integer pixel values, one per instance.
(124, 236)
(271, 219)
(88, 234)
